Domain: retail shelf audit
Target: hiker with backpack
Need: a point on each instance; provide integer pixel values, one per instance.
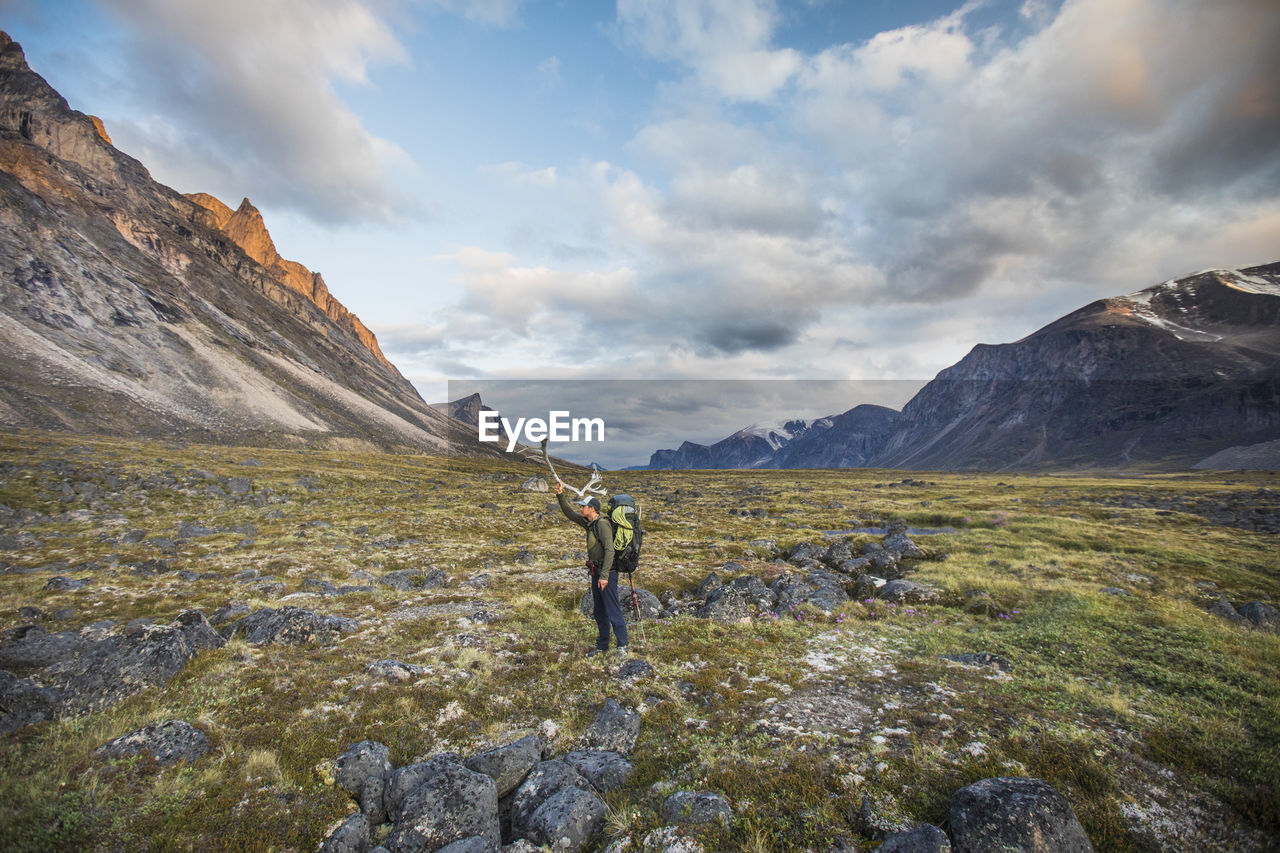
(606, 609)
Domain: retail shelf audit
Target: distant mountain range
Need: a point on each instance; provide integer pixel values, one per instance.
(1181, 374)
(126, 307)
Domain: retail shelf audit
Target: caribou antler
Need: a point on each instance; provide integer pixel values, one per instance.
(594, 486)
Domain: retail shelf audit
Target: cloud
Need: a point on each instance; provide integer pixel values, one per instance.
(725, 42)
(241, 99)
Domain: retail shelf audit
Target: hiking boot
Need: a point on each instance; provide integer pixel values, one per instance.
(595, 652)
(621, 652)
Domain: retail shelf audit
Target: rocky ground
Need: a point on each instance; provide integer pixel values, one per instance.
(267, 648)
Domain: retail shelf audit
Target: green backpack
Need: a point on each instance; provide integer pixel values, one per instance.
(627, 533)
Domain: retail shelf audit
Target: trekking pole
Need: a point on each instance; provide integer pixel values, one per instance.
(636, 601)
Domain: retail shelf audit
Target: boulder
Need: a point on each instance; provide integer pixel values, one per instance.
(534, 484)
(650, 606)
(606, 771)
(404, 779)
(474, 844)
(696, 807)
(395, 670)
(614, 729)
(635, 669)
(508, 765)
(925, 838)
(741, 598)
(1015, 813)
(362, 771)
(290, 625)
(545, 779)
(107, 671)
(567, 820)
(349, 836)
(450, 803)
(1223, 609)
(907, 592)
(168, 743)
(31, 648)
(709, 584)
(867, 586)
(23, 702)
(1261, 616)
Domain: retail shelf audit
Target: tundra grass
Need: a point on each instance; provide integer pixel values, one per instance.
(1157, 719)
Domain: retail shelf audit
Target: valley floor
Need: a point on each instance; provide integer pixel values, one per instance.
(1107, 670)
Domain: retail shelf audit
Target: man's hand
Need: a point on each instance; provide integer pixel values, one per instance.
(559, 487)
(602, 583)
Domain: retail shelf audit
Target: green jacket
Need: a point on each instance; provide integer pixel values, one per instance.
(599, 535)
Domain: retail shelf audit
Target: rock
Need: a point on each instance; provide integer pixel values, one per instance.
(168, 743)
(320, 586)
(820, 590)
(567, 820)
(925, 838)
(907, 592)
(23, 702)
(405, 580)
(635, 669)
(614, 729)
(449, 804)
(291, 625)
(650, 606)
(879, 818)
(606, 771)
(188, 530)
(696, 807)
(981, 659)
(900, 545)
(31, 647)
(741, 598)
(229, 613)
(1261, 616)
(349, 836)
(1223, 609)
(709, 584)
(199, 633)
(543, 780)
(1009, 813)
(395, 670)
(105, 672)
(404, 779)
(1115, 590)
(474, 844)
(239, 486)
(58, 583)
(362, 771)
(534, 484)
(867, 586)
(508, 765)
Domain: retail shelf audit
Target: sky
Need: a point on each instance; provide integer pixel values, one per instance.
(701, 189)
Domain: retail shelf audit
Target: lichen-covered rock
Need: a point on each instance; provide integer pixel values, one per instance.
(567, 820)
(23, 702)
(508, 765)
(105, 672)
(1261, 616)
(907, 592)
(168, 742)
(696, 807)
(925, 838)
(1015, 813)
(741, 598)
(635, 669)
(614, 729)
(349, 836)
(290, 625)
(449, 804)
(606, 771)
(30, 647)
(362, 771)
(545, 779)
(474, 844)
(395, 670)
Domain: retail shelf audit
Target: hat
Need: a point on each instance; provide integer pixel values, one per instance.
(594, 503)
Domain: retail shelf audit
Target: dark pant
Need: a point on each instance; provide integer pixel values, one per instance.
(607, 611)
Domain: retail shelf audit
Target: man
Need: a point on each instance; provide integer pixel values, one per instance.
(604, 580)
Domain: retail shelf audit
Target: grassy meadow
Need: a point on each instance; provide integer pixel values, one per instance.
(1159, 721)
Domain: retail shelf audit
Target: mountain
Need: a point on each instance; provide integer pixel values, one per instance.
(1168, 375)
(1183, 374)
(755, 446)
(852, 440)
(126, 307)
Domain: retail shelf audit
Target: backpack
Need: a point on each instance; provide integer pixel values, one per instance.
(627, 533)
